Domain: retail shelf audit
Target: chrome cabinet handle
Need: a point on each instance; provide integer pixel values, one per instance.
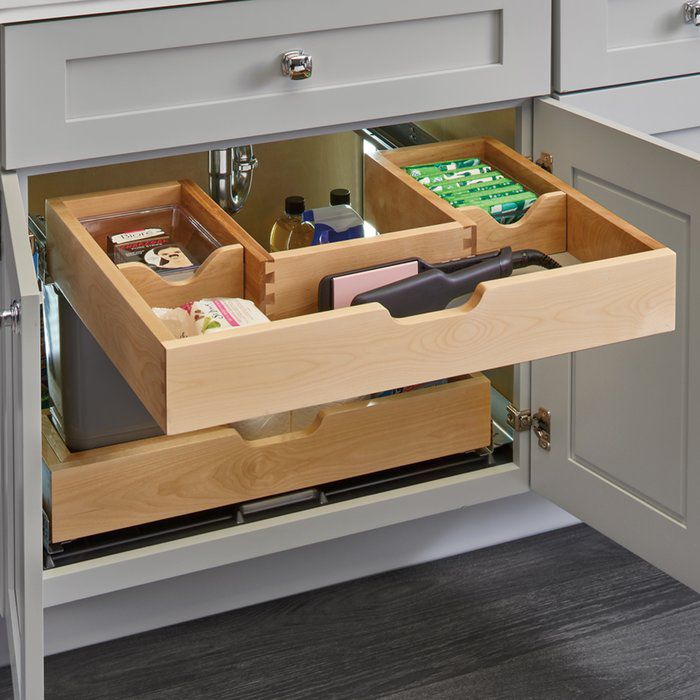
(691, 12)
(297, 65)
(9, 318)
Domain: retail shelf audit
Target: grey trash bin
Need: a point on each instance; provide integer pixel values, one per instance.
(93, 406)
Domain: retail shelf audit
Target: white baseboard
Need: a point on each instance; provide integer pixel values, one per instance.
(230, 587)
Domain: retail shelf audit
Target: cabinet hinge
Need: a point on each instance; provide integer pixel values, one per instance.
(546, 162)
(541, 426)
(522, 420)
(37, 236)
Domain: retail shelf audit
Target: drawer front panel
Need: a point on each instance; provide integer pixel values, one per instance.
(135, 82)
(612, 42)
(100, 490)
(663, 108)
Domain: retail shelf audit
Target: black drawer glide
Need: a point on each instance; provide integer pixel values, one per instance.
(87, 548)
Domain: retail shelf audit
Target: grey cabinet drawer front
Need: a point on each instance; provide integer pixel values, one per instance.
(663, 108)
(613, 42)
(118, 84)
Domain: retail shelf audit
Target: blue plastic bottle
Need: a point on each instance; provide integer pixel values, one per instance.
(338, 222)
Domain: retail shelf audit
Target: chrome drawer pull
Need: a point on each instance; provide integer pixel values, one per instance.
(691, 12)
(297, 65)
(9, 318)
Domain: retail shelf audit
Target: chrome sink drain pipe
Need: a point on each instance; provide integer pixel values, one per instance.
(231, 176)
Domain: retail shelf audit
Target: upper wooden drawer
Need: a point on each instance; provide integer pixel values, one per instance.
(132, 82)
(612, 42)
(620, 285)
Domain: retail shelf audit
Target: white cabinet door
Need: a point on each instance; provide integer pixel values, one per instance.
(20, 446)
(625, 448)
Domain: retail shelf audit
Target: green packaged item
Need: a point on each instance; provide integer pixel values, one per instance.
(471, 172)
(437, 177)
(444, 166)
(495, 185)
(430, 176)
(468, 198)
(512, 204)
(505, 219)
(447, 166)
(520, 205)
(467, 183)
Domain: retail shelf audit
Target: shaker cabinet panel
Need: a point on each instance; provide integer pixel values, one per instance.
(625, 456)
(612, 42)
(20, 445)
(134, 82)
(667, 109)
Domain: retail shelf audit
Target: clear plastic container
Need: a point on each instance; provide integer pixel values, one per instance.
(168, 239)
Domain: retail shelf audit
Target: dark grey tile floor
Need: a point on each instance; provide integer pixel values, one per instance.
(562, 615)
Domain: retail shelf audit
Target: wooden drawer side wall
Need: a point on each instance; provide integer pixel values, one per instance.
(124, 485)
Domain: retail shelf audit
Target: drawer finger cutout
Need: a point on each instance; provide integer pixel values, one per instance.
(110, 488)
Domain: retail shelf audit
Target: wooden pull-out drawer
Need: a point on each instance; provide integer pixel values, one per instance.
(141, 81)
(109, 488)
(621, 286)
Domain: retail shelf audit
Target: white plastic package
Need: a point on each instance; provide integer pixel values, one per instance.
(210, 315)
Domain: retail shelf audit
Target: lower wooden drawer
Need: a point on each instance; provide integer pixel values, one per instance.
(106, 489)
